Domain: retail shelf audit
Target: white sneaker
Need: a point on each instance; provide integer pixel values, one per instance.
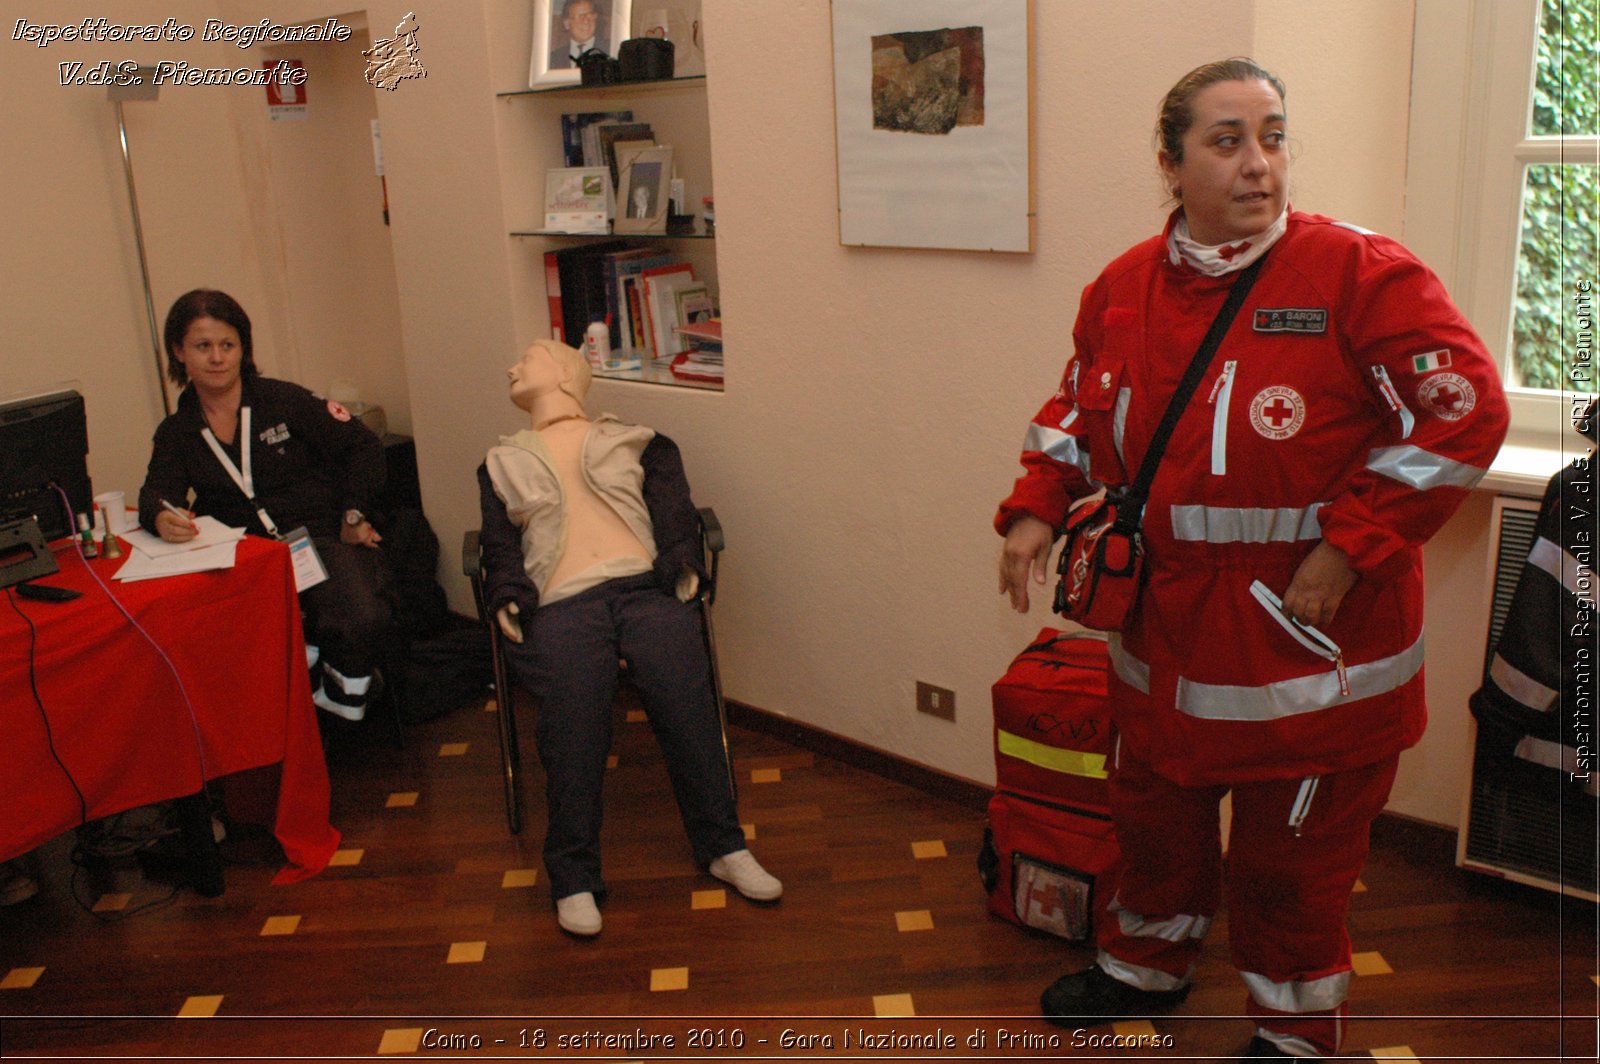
(745, 874)
(577, 914)
(338, 709)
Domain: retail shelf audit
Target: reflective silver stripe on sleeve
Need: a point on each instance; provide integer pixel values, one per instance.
(1576, 577)
(1058, 445)
(1299, 995)
(1304, 694)
(1550, 755)
(1520, 686)
(1421, 469)
(1119, 421)
(1245, 524)
(1129, 669)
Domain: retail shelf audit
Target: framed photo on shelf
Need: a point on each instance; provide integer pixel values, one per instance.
(577, 199)
(562, 28)
(643, 190)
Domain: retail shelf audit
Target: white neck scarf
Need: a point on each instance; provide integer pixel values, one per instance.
(1216, 260)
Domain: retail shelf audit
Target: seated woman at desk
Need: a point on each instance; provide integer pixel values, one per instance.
(591, 552)
(269, 456)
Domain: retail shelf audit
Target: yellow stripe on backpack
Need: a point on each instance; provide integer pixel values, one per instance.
(1054, 758)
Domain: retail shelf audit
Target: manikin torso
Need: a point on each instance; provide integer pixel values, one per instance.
(595, 533)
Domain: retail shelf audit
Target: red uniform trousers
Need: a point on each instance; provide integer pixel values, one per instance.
(1288, 892)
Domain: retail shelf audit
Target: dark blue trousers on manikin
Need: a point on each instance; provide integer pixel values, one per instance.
(568, 660)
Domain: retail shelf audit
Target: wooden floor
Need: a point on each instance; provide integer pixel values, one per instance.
(433, 935)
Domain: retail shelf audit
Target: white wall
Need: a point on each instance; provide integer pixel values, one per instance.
(875, 398)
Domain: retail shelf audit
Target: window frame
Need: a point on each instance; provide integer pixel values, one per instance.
(1473, 64)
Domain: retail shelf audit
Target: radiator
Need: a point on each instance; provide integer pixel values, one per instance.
(1533, 825)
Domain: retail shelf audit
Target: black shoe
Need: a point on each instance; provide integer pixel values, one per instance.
(1089, 997)
(1262, 1049)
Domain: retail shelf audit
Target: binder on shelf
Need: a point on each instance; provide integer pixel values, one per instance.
(583, 297)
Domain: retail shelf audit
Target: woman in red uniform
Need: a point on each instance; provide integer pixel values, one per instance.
(1346, 414)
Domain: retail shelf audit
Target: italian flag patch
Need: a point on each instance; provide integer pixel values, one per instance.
(1431, 361)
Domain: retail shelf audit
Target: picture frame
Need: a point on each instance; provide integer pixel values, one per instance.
(643, 191)
(577, 199)
(554, 23)
(933, 109)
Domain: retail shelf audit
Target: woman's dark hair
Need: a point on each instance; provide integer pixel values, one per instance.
(206, 303)
(1177, 109)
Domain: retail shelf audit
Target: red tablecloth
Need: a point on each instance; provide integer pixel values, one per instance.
(116, 706)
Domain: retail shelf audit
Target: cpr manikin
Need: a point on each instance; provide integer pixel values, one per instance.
(591, 552)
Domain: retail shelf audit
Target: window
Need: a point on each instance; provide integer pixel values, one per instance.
(1556, 246)
(1502, 193)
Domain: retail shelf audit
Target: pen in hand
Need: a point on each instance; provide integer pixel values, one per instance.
(179, 514)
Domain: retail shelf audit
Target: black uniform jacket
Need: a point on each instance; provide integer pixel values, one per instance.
(311, 461)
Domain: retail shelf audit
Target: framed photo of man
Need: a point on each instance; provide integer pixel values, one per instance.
(642, 191)
(565, 29)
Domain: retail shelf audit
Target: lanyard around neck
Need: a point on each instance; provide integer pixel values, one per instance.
(240, 477)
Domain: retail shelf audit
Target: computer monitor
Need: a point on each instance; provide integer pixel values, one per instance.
(44, 441)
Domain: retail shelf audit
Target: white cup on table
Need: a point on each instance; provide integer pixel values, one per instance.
(113, 505)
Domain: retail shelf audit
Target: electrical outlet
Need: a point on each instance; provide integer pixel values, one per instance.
(936, 701)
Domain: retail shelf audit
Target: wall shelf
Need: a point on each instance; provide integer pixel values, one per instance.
(621, 88)
(677, 112)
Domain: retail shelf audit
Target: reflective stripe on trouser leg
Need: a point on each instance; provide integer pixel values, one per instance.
(1288, 896)
(1168, 886)
(1298, 1047)
(341, 694)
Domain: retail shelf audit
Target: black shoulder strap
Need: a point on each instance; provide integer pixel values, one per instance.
(1139, 491)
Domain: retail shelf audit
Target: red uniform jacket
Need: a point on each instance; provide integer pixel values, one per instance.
(1350, 401)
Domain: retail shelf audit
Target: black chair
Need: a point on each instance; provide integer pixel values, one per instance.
(711, 545)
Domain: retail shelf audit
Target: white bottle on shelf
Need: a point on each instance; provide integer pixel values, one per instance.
(597, 344)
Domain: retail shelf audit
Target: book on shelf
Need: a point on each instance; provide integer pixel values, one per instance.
(614, 268)
(697, 366)
(660, 310)
(552, 293)
(693, 303)
(702, 333)
(638, 333)
(573, 126)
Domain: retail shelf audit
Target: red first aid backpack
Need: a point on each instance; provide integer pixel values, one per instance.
(1050, 854)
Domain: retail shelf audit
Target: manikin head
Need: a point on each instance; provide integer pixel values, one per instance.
(548, 368)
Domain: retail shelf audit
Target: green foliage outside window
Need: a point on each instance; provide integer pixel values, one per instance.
(1560, 209)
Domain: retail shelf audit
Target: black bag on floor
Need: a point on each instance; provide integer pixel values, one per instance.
(448, 671)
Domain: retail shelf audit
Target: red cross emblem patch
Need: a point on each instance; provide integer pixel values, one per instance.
(1448, 396)
(1277, 412)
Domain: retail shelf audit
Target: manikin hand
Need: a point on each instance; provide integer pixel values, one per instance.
(509, 621)
(1027, 548)
(1319, 585)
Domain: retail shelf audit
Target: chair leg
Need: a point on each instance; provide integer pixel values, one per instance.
(506, 724)
(392, 668)
(716, 688)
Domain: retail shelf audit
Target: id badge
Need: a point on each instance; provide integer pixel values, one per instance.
(308, 568)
